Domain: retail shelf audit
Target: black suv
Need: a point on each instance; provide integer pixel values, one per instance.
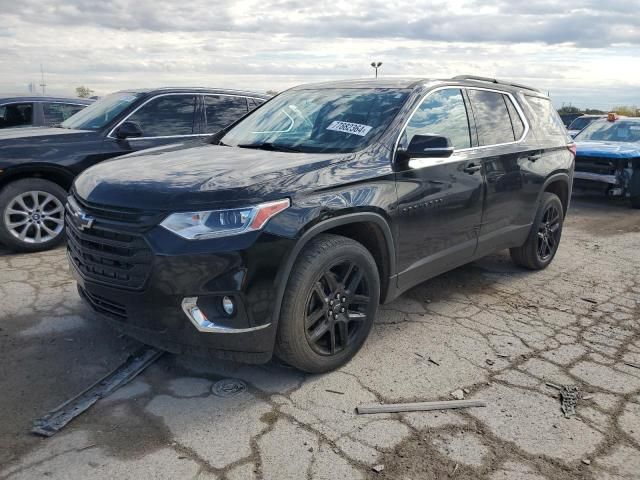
(297, 221)
(38, 111)
(37, 165)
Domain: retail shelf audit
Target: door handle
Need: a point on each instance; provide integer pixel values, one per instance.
(472, 168)
(534, 157)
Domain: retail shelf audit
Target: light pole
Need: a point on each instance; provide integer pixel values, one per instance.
(376, 66)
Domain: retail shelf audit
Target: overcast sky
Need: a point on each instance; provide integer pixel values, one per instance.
(586, 52)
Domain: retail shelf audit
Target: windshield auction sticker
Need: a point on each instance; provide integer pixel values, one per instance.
(348, 127)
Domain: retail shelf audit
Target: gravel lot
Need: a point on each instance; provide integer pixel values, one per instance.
(499, 332)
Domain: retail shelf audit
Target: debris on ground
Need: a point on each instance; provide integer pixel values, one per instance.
(57, 418)
(502, 355)
(228, 387)
(334, 391)
(455, 469)
(458, 394)
(418, 354)
(433, 361)
(589, 300)
(466, 391)
(489, 361)
(377, 468)
(418, 406)
(634, 365)
(586, 461)
(569, 395)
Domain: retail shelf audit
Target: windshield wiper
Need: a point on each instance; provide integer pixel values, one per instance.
(275, 147)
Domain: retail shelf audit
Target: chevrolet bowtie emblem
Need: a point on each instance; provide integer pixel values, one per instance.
(82, 220)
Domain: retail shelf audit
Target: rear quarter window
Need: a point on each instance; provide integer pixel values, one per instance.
(546, 119)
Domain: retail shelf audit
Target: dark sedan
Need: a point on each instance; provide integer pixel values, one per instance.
(38, 111)
(37, 165)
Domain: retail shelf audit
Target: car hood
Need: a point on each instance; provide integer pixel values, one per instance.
(608, 149)
(175, 178)
(36, 133)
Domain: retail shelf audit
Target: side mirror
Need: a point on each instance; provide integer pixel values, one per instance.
(129, 130)
(429, 146)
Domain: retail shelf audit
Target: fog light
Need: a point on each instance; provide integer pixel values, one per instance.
(228, 306)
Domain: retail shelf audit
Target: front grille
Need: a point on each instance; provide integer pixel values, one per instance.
(122, 259)
(103, 305)
(603, 166)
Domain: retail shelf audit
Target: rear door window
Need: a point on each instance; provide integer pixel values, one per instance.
(56, 113)
(223, 110)
(516, 120)
(492, 117)
(165, 116)
(443, 113)
(547, 120)
(16, 115)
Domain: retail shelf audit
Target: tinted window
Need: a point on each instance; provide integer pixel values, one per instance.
(16, 115)
(547, 119)
(581, 122)
(327, 120)
(56, 113)
(167, 115)
(254, 102)
(442, 113)
(516, 120)
(100, 113)
(222, 110)
(492, 117)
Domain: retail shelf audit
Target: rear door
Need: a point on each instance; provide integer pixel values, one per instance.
(440, 199)
(502, 131)
(222, 110)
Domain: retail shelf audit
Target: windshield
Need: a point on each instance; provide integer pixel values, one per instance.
(581, 122)
(618, 131)
(322, 120)
(98, 114)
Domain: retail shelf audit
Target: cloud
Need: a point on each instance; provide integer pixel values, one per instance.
(568, 48)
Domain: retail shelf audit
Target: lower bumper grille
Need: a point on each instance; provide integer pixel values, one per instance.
(602, 166)
(104, 306)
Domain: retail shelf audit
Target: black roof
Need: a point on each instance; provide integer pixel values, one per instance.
(40, 98)
(223, 91)
(410, 83)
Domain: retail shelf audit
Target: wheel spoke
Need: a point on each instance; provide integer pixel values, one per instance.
(319, 332)
(38, 237)
(357, 317)
(332, 335)
(59, 221)
(23, 233)
(355, 281)
(20, 201)
(319, 291)
(313, 318)
(555, 227)
(56, 209)
(344, 334)
(20, 223)
(346, 276)
(13, 211)
(331, 280)
(36, 201)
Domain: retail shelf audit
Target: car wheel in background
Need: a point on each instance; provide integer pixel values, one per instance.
(32, 215)
(543, 240)
(329, 305)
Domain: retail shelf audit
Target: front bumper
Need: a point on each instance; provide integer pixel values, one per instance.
(244, 268)
(597, 177)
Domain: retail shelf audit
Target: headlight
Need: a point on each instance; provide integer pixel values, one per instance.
(223, 223)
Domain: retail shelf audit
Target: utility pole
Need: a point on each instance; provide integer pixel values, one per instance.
(376, 66)
(42, 84)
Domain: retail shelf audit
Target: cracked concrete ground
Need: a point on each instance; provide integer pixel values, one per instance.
(495, 330)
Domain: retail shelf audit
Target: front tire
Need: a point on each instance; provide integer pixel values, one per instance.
(32, 215)
(329, 305)
(543, 240)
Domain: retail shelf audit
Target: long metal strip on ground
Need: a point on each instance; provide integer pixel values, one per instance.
(57, 418)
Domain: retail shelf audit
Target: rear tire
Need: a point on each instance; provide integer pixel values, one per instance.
(329, 304)
(544, 238)
(32, 215)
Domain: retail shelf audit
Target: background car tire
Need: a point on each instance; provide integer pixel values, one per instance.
(50, 196)
(528, 255)
(294, 344)
(634, 187)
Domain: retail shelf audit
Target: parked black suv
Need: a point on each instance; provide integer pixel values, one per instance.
(37, 165)
(298, 220)
(38, 111)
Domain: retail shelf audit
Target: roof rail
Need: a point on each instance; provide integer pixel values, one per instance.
(494, 80)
